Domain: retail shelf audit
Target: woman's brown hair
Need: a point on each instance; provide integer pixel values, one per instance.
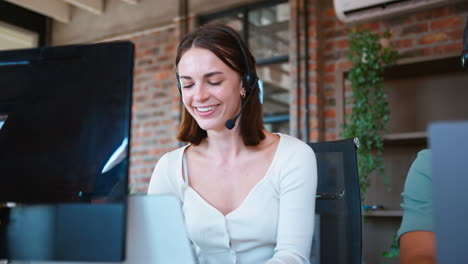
(224, 42)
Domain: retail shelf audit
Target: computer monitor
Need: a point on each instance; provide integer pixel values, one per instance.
(64, 151)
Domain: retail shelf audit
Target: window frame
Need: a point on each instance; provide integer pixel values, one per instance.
(245, 10)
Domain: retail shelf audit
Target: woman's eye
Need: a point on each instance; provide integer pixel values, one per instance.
(215, 83)
(188, 85)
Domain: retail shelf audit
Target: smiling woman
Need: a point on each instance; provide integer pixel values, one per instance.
(221, 49)
(247, 194)
(210, 89)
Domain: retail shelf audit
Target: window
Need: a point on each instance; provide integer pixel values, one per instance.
(265, 28)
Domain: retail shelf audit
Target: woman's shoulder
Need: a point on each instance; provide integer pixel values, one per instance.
(172, 156)
(422, 163)
(293, 145)
(177, 152)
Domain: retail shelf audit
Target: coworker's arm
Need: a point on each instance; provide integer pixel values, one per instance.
(416, 239)
(417, 247)
(298, 186)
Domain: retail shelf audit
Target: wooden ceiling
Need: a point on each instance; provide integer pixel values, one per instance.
(60, 10)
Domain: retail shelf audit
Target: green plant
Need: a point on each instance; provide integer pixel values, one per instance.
(370, 112)
(394, 250)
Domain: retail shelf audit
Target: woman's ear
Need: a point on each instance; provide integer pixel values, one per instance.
(243, 93)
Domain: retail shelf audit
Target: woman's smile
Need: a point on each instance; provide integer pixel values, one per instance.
(205, 110)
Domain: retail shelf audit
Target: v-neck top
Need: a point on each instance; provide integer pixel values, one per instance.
(274, 224)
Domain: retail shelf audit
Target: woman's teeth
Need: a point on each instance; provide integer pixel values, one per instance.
(205, 109)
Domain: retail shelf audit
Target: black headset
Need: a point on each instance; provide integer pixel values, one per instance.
(249, 78)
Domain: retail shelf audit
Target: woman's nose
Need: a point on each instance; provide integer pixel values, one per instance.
(200, 92)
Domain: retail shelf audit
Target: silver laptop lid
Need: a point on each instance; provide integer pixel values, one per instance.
(156, 233)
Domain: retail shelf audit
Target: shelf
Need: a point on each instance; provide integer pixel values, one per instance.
(415, 137)
(383, 213)
(407, 135)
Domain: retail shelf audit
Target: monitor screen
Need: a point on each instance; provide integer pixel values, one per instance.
(64, 151)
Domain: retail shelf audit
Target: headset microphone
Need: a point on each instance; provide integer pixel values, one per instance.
(232, 122)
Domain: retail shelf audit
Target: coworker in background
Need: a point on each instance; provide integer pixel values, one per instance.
(416, 237)
(248, 195)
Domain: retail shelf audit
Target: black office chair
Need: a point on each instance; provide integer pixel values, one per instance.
(337, 235)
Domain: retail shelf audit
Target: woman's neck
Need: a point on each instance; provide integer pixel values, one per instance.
(224, 144)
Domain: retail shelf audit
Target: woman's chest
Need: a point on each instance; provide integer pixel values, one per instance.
(224, 187)
(256, 219)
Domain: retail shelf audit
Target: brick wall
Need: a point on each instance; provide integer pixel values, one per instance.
(155, 110)
(156, 101)
(419, 35)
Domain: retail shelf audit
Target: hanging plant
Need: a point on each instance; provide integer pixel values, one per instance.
(370, 54)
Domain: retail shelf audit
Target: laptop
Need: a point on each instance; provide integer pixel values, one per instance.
(449, 144)
(155, 233)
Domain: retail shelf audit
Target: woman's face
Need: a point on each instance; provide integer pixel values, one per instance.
(210, 89)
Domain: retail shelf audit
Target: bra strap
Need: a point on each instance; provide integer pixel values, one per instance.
(185, 170)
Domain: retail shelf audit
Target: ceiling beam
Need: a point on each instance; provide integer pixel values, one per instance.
(132, 2)
(56, 9)
(13, 37)
(93, 6)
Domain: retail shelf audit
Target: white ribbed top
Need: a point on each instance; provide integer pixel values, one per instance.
(273, 225)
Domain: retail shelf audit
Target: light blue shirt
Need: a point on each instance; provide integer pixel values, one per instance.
(417, 196)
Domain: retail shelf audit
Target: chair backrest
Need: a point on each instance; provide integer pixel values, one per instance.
(338, 227)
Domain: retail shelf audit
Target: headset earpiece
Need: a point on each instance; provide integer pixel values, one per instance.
(249, 81)
(179, 86)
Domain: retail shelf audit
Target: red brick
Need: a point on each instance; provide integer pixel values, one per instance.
(169, 48)
(313, 99)
(330, 78)
(330, 136)
(432, 14)
(313, 135)
(312, 23)
(419, 52)
(456, 35)
(345, 65)
(314, 123)
(161, 76)
(329, 92)
(449, 48)
(330, 113)
(397, 21)
(330, 123)
(330, 68)
(329, 46)
(403, 43)
(328, 24)
(343, 44)
(313, 44)
(433, 38)
(414, 29)
(374, 27)
(329, 12)
(312, 78)
(450, 22)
